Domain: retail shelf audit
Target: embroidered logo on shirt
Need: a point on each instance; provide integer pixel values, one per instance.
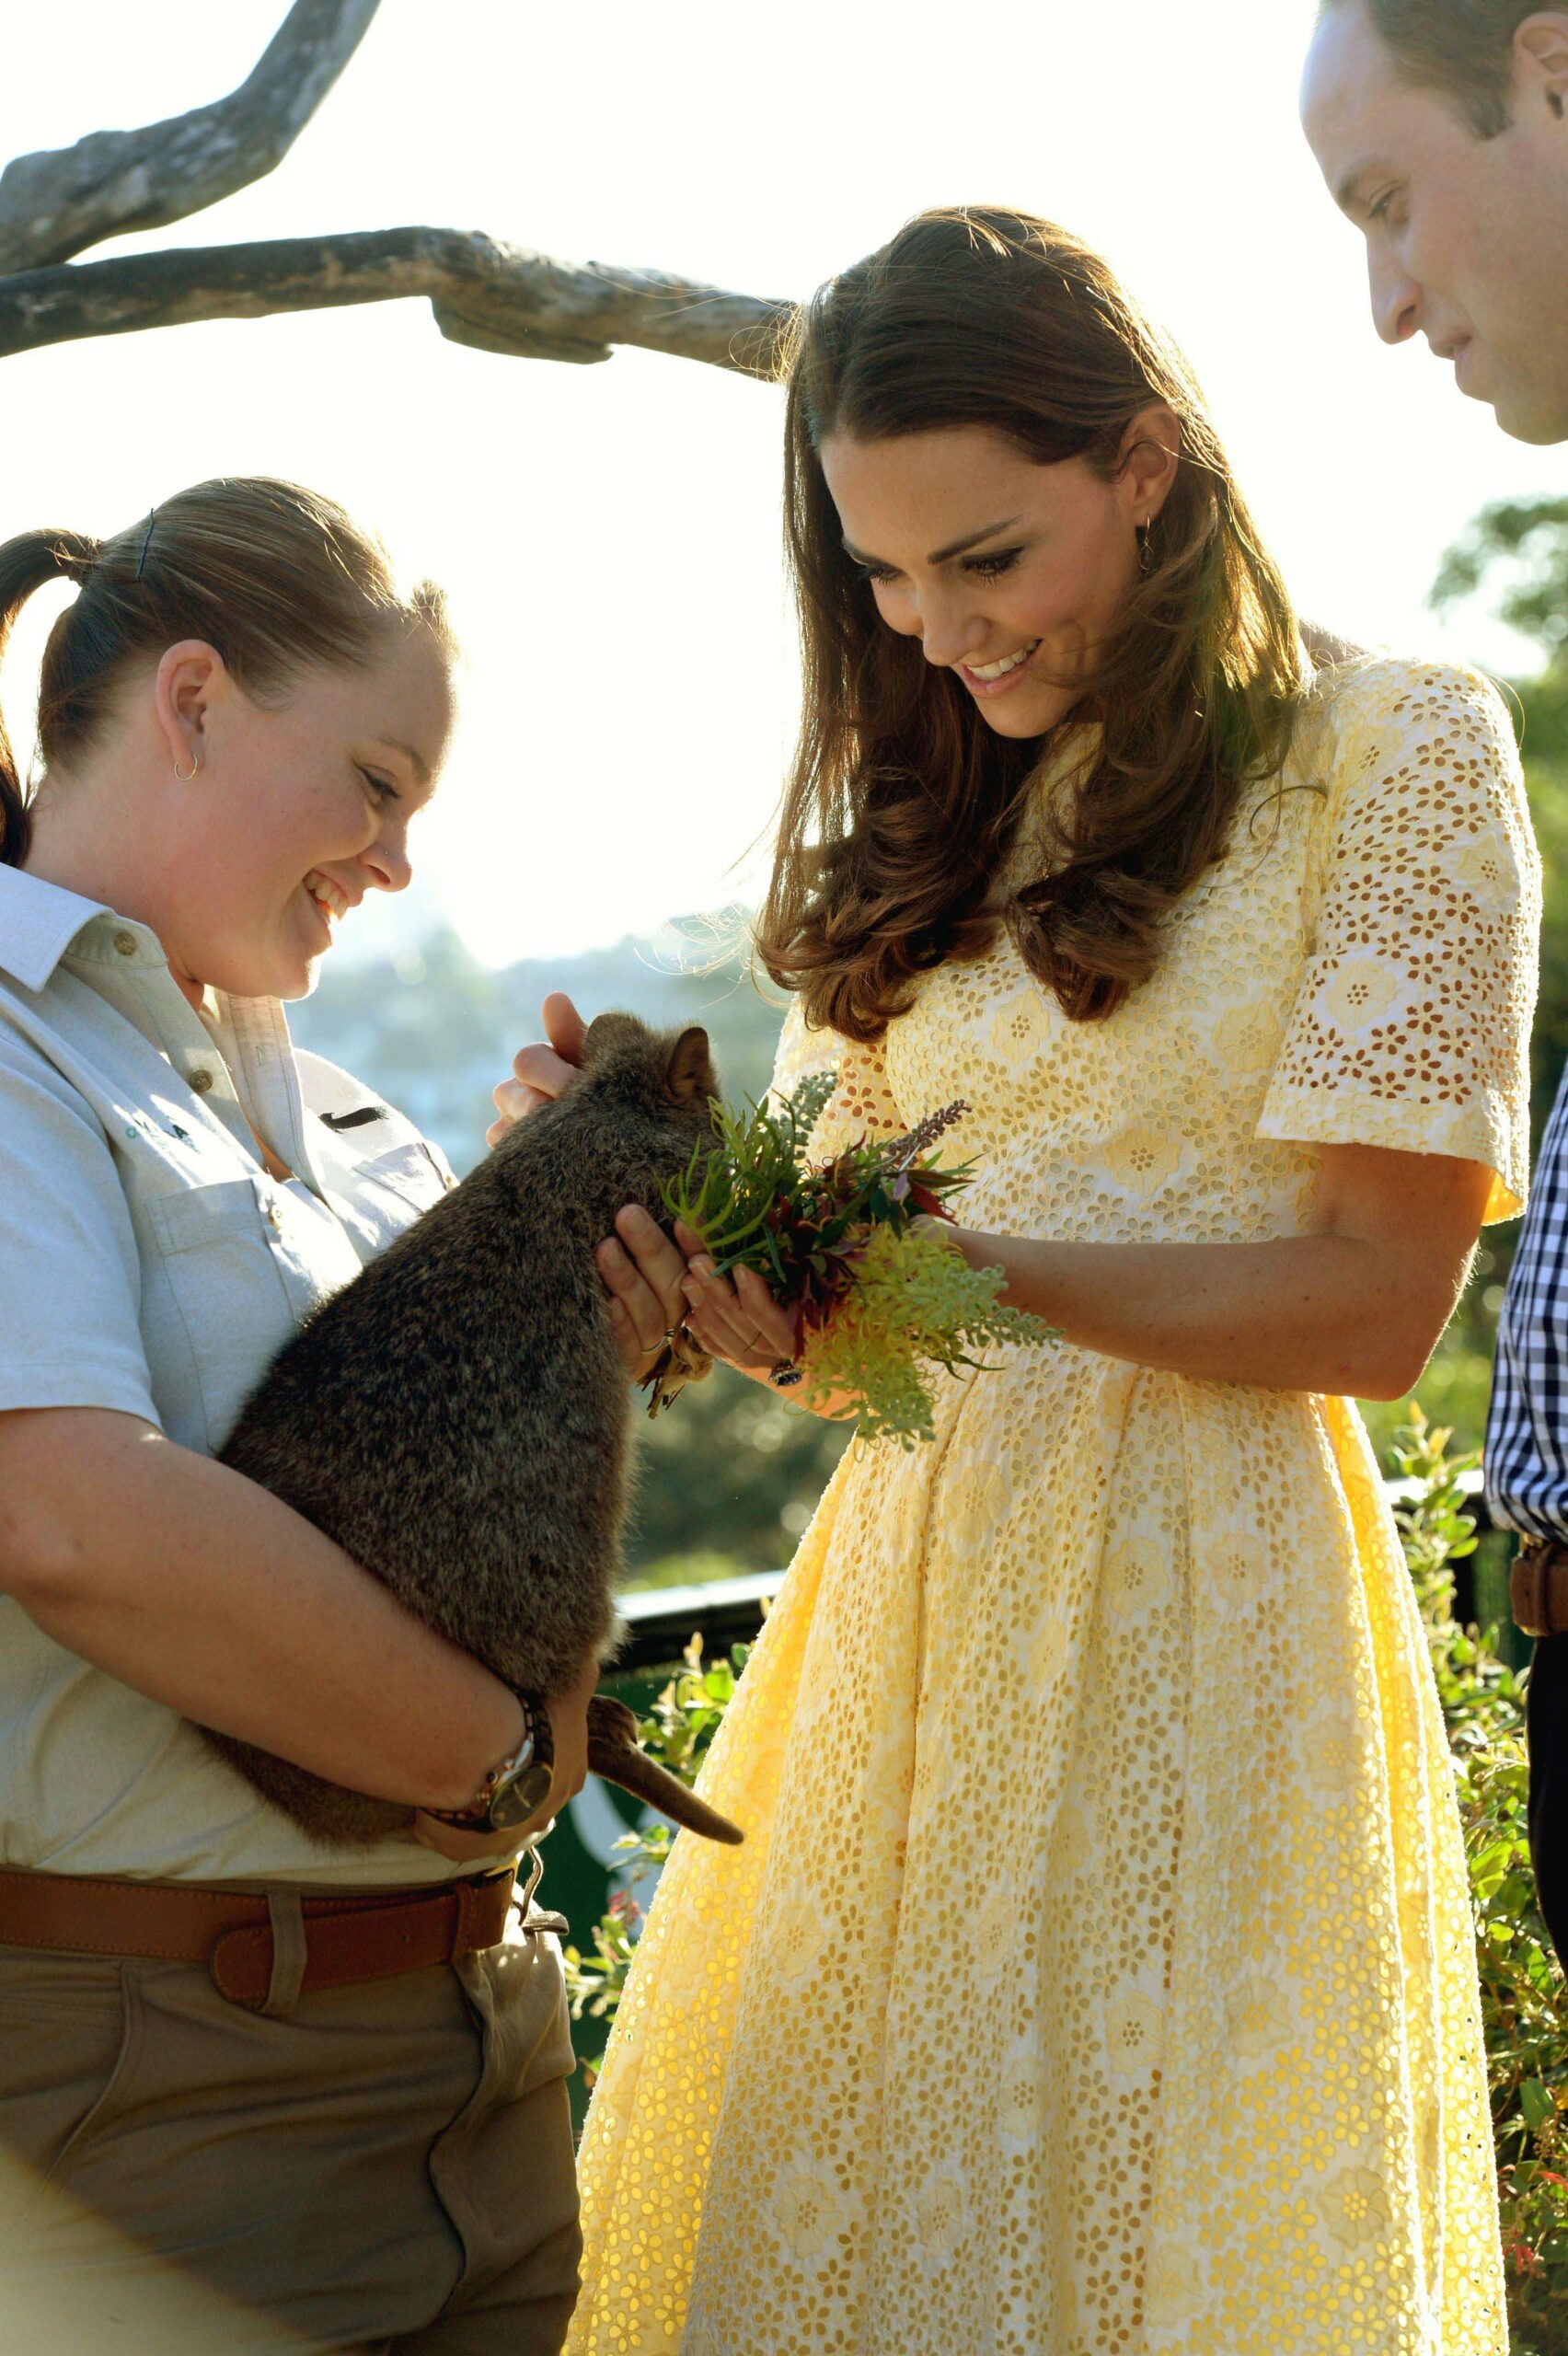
(356, 1120)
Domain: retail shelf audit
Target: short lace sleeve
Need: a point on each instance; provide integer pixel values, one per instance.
(862, 1105)
(1410, 1029)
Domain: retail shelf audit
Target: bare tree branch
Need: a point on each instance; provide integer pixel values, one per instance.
(56, 204)
(501, 298)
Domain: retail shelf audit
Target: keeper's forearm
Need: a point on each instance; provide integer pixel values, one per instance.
(196, 1586)
(1328, 1313)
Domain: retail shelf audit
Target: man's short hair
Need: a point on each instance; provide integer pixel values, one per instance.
(1463, 48)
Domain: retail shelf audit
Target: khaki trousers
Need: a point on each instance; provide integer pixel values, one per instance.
(384, 2167)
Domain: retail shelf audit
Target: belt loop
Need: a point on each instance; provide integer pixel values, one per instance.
(287, 1917)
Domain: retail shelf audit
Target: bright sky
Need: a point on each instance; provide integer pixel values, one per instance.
(609, 536)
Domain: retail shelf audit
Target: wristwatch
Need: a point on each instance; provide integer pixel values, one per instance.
(519, 1787)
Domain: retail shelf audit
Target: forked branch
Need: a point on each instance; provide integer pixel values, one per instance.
(63, 201)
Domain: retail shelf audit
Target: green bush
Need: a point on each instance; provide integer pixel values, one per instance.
(1522, 1993)
(1521, 1984)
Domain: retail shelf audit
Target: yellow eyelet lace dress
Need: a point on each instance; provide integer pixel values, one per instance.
(1098, 1974)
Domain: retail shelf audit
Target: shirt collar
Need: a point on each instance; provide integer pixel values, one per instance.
(40, 922)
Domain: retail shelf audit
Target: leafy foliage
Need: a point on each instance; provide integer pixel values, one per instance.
(876, 1297)
(685, 1719)
(1522, 1991)
(914, 1303)
(1523, 544)
(1513, 560)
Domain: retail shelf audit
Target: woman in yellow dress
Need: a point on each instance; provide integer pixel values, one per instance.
(1098, 1978)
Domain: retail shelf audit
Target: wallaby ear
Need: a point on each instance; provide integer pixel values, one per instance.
(690, 1075)
(608, 1032)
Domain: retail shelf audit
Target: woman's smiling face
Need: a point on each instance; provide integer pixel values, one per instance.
(300, 804)
(1011, 573)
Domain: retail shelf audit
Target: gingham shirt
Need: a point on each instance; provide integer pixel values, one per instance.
(1526, 1438)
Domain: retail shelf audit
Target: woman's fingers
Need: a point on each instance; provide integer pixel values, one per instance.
(543, 1071)
(740, 1322)
(774, 1325)
(564, 1027)
(540, 1068)
(661, 1262)
(655, 1284)
(635, 1314)
(513, 1101)
(642, 1270)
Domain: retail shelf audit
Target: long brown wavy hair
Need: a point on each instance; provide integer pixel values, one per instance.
(902, 803)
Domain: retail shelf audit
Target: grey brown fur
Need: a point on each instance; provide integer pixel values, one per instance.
(458, 1418)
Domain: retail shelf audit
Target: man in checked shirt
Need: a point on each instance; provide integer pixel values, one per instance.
(1442, 130)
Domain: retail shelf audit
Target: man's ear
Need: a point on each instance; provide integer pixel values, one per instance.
(690, 1075)
(1540, 58)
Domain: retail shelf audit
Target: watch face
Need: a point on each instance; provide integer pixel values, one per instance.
(522, 1798)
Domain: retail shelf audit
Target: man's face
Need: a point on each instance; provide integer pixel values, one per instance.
(1467, 238)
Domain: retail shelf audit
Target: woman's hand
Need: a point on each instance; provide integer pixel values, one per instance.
(738, 1319)
(741, 1322)
(644, 1274)
(542, 1072)
(568, 1714)
(653, 1285)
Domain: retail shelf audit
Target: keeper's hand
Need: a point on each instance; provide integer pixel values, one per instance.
(542, 1072)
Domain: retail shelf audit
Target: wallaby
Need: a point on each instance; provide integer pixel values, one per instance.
(458, 1418)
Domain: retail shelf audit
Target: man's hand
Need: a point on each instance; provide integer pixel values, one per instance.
(542, 1072)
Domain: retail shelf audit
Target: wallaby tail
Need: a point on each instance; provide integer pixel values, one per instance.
(613, 1753)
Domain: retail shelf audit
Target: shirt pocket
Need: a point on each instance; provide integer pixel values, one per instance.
(215, 1287)
(410, 1171)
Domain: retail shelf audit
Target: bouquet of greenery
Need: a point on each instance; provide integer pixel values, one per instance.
(876, 1297)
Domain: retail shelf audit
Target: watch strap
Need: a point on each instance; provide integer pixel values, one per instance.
(517, 1788)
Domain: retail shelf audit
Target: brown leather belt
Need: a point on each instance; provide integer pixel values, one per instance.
(1537, 1588)
(347, 1938)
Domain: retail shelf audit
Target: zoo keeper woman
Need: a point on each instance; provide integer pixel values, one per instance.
(213, 2038)
(1098, 1978)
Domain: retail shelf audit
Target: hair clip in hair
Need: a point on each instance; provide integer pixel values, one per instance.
(146, 544)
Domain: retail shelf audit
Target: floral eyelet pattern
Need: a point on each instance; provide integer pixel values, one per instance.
(1098, 1976)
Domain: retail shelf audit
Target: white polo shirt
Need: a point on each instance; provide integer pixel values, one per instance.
(149, 1264)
